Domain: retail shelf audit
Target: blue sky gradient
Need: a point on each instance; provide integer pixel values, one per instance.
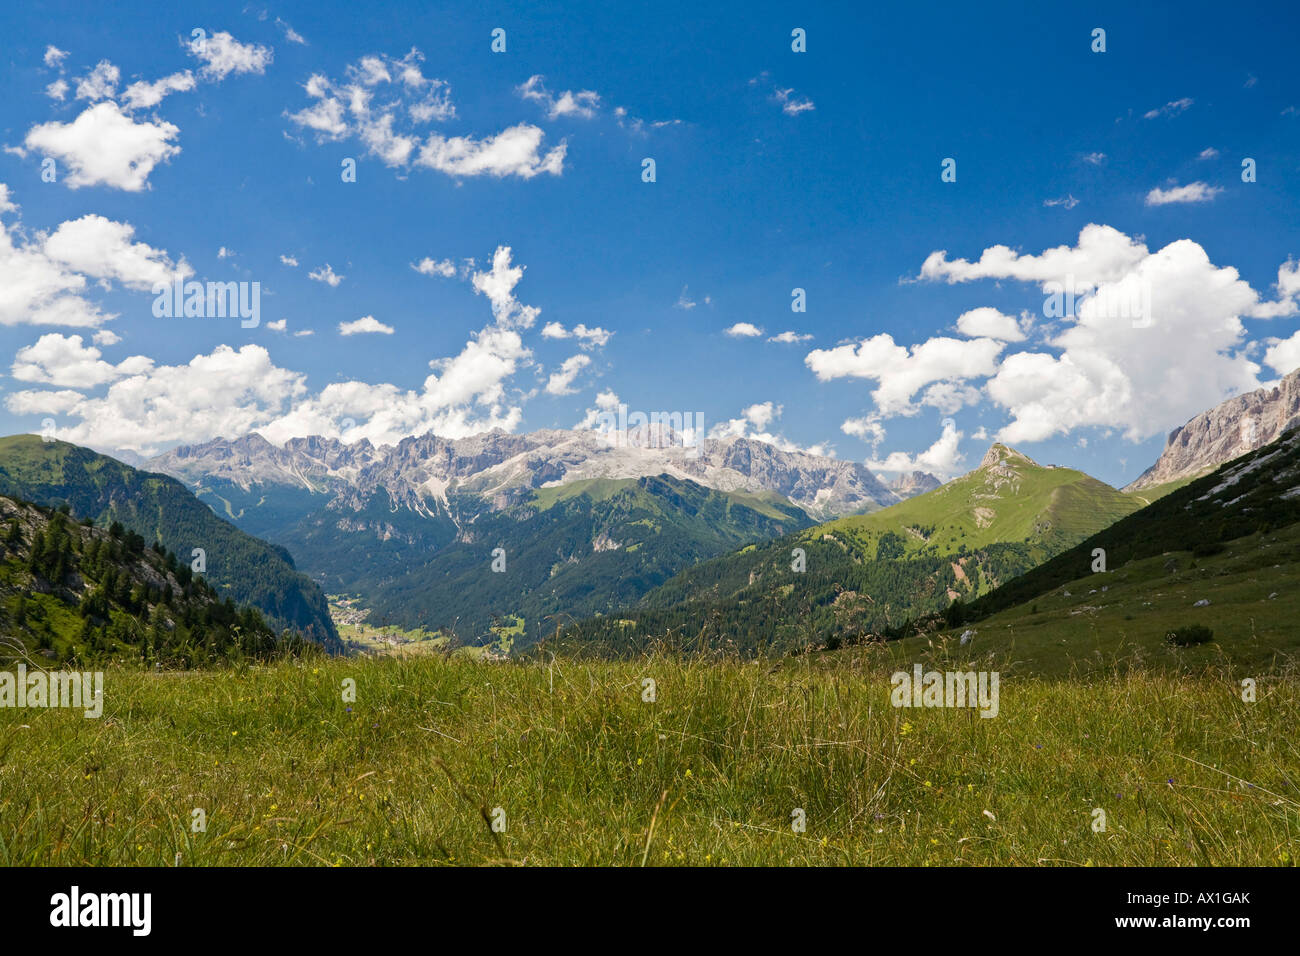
(754, 196)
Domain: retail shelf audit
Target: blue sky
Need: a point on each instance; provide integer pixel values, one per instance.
(774, 170)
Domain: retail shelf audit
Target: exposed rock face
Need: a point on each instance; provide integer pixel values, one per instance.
(917, 483)
(420, 472)
(1227, 431)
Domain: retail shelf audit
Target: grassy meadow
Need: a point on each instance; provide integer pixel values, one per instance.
(586, 772)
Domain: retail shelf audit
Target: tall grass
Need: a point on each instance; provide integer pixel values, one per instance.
(586, 772)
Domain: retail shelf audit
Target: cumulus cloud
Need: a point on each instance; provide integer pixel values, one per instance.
(1102, 254)
(64, 361)
(561, 381)
(221, 55)
(790, 338)
(54, 57)
(743, 330)
(383, 101)
(989, 323)
(587, 338)
(327, 275)
(230, 393)
(584, 103)
(1191, 193)
(755, 421)
(104, 146)
(498, 285)
(515, 151)
(943, 458)
(289, 261)
(103, 249)
(365, 325)
(46, 275)
(901, 372)
(142, 95)
(1283, 355)
(1109, 369)
(431, 267)
(100, 83)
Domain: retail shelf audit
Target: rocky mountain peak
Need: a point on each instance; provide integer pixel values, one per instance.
(1228, 430)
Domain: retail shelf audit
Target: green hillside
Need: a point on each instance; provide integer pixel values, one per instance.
(867, 575)
(160, 508)
(71, 592)
(1008, 498)
(1231, 538)
(579, 549)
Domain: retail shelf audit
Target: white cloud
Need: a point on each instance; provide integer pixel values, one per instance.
(1094, 159)
(64, 361)
(743, 330)
(142, 95)
(790, 338)
(1208, 153)
(606, 401)
(1172, 108)
(1145, 376)
(105, 146)
(561, 382)
(754, 422)
(1103, 254)
(429, 267)
(1068, 201)
(588, 338)
(279, 325)
(901, 372)
(54, 57)
(1109, 370)
(221, 55)
(512, 152)
(102, 249)
(584, 104)
(949, 397)
(45, 276)
(327, 275)
(498, 285)
(364, 325)
(224, 253)
(43, 402)
(987, 322)
(384, 99)
(684, 301)
(289, 261)
(57, 90)
(791, 104)
(942, 458)
(1192, 192)
(100, 83)
(106, 337)
(232, 393)
(290, 34)
(1283, 355)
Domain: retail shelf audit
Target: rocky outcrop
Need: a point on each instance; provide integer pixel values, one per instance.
(1227, 431)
